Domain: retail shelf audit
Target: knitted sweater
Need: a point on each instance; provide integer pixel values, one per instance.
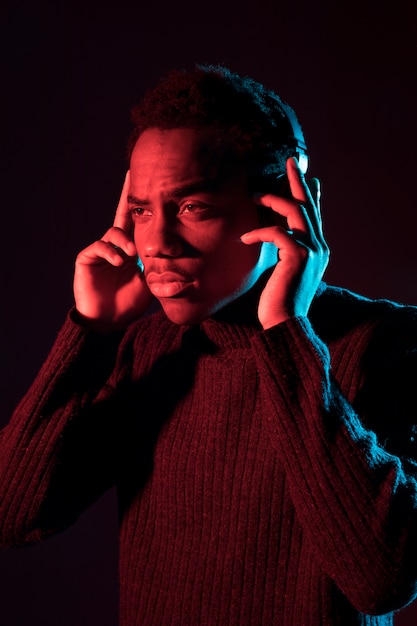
(250, 491)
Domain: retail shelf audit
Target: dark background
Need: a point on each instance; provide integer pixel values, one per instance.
(69, 76)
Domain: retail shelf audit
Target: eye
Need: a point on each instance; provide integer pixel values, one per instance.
(190, 208)
(197, 210)
(139, 211)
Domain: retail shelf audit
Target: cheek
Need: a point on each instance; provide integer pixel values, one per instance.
(232, 262)
(246, 257)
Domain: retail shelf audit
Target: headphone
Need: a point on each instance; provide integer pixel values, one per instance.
(295, 137)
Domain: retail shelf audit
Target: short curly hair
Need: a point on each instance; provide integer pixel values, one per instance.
(250, 121)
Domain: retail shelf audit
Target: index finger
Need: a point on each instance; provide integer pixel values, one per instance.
(307, 194)
(299, 189)
(122, 219)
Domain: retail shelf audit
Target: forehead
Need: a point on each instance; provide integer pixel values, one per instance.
(164, 158)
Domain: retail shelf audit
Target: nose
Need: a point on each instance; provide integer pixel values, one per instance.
(162, 238)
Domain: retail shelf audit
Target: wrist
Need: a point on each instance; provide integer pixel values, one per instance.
(101, 327)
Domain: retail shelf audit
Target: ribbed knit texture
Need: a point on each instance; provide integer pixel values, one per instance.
(250, 492)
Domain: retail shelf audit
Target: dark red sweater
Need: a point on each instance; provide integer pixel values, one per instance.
(250, 492)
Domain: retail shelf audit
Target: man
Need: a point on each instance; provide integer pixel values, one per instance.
(260, 428)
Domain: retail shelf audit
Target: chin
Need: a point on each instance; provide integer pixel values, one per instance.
(189, 313)
(184, 313)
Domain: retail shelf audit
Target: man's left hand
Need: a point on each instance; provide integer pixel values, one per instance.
(302, 251)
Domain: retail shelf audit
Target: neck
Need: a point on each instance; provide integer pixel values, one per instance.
(244, 309)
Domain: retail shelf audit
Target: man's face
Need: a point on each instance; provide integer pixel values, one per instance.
(188, 219)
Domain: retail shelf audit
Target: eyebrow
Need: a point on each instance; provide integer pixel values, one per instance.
(199, 186)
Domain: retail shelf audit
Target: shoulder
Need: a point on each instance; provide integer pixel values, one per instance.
(373, 344)
(337, 313)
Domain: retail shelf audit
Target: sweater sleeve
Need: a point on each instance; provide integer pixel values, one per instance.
(355, 497)
(56, 457)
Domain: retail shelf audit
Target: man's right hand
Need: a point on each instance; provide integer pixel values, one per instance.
(109, 289)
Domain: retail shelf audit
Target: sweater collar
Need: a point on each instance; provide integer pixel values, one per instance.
(236, 324)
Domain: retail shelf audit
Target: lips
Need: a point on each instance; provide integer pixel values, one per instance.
(168, 284)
